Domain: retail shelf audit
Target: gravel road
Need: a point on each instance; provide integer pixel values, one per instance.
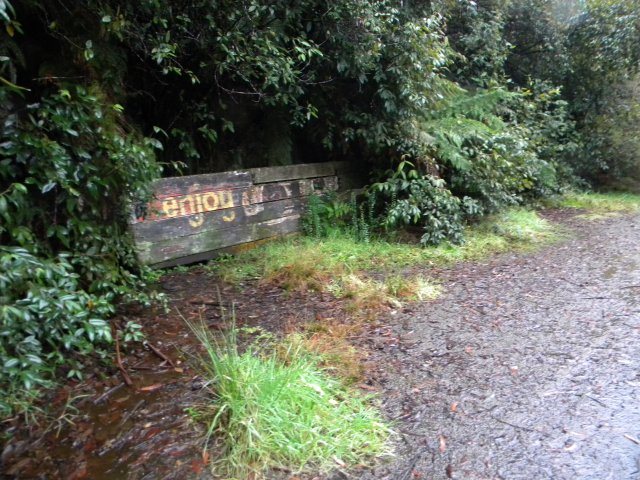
(528, 368)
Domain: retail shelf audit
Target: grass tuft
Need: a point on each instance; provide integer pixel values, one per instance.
(412, 288)
(329, 344)
(602, 205)
(281, 410)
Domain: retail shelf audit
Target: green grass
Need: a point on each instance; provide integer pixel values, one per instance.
(602, 205)
(319, 260)
(276, 408)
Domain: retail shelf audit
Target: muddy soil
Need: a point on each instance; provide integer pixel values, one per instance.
(526, 368)
(104, 429)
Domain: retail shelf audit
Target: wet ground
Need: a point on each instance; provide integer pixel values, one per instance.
(527, 368)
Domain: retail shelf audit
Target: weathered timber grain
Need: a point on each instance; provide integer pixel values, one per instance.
(291, 172)
(194, 218)
(174, 248)
(216, 220)
(190, 205)
(173, 186)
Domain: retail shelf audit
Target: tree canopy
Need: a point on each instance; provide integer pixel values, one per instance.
(468, 106)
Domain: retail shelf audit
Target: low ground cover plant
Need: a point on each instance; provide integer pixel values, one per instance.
(605, 204)
(273, 406)
(327, 263)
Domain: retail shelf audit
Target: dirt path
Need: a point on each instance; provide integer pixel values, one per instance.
(527, 369)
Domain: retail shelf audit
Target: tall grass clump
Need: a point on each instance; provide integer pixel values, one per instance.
(276, 408)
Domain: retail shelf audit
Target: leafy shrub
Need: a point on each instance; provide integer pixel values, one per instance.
(417, 199)
(69, 178)
(326, 214)
(486, 150)
(46, 315)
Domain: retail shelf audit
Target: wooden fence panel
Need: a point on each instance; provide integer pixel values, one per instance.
(193, 217)
(174, 249)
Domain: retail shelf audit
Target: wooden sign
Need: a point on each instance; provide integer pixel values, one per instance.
(192, 218)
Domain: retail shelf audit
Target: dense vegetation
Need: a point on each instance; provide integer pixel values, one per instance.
(463, 107)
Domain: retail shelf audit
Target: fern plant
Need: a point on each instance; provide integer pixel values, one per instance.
(329, 215)
(484, 152)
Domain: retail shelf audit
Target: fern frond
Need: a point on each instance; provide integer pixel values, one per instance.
(480, 105)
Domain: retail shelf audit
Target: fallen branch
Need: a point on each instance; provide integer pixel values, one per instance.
(411, 434)
(412, 465)
(160, 354)
(125, 375)
(126, 418)
(595, 400)
(107, 394)
(520, 427)
(633, 439)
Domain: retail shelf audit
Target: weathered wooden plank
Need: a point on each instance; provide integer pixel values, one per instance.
(172, 186)
(196, 204)
(216, 220)
(211, 254)
(193, 217)
(173, 248)
(292, 172)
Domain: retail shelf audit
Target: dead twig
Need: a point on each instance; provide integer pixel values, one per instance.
(633, 439)
(411, 434)
(412, 465)
(126, 418)
(595, 400)
(125, 375)
(160, 354)
(107, 394)
(512, 425)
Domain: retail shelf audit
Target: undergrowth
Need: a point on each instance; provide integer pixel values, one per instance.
(366, 295)
(335, 261)
(70, 175)
(601, 205)
(273, 406)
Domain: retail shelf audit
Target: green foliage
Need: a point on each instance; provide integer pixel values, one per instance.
(417, 199)
(257, 79)
(601, 203)
(274, 407)
(69, 177)
(613, 138)
(46, 315)
(329, 215)
(602, 43)
(604, 58)
(478, 106)
(476, 32)
(327, 257)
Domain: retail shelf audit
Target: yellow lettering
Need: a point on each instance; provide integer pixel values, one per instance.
(210, 201)
(226, 199)
(170, 207)
(199, 203)
(196, 221)
(230, 217)
(184, 202)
